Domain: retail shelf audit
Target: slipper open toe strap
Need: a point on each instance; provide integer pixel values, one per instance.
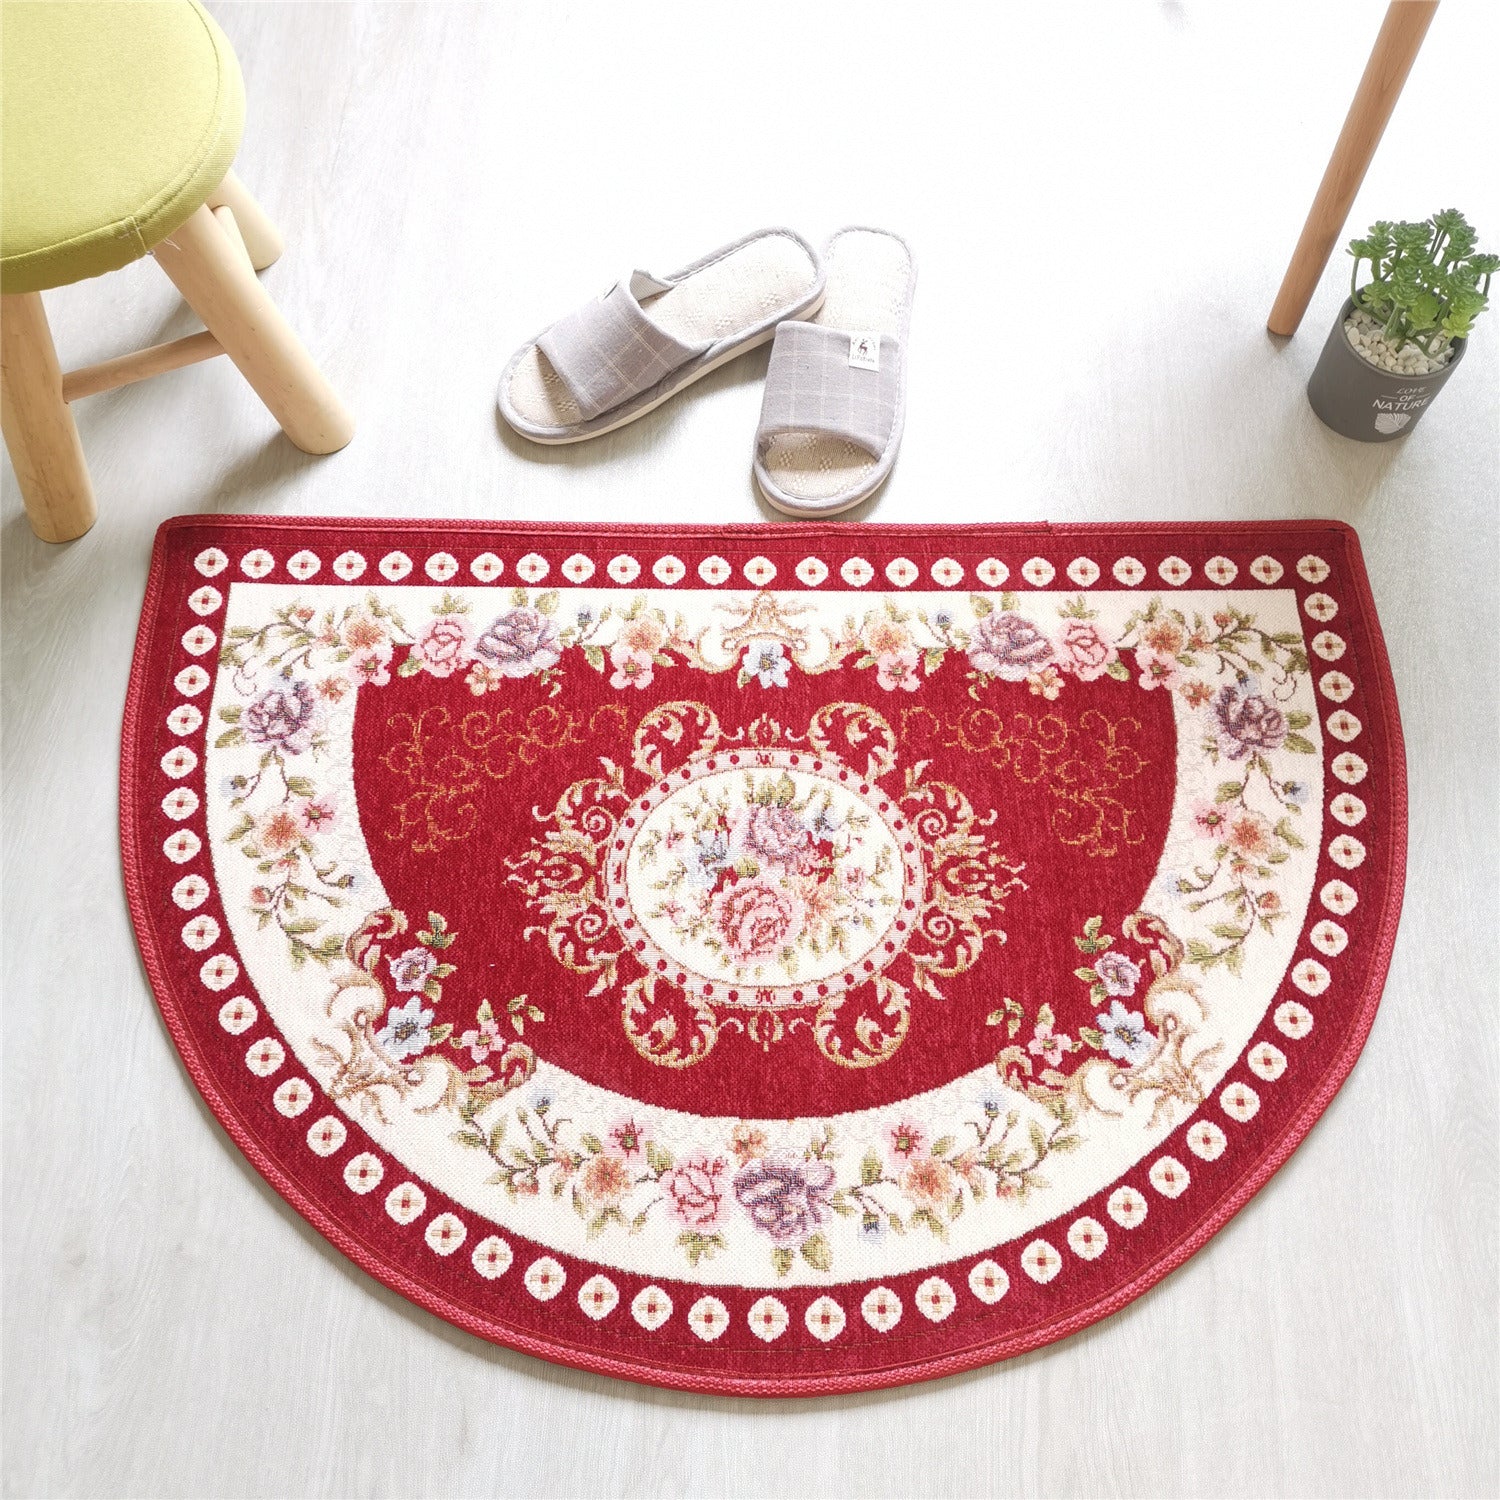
(843, 385)
(835, 398)
(620, 355)
(609, 350)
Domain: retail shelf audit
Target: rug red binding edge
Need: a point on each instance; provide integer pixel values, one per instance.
(951, 1364)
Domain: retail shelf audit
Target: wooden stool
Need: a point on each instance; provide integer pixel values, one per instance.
(120, 124)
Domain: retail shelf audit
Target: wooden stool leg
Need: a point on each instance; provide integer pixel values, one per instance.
(39, 430)
(1395, 50)
(262, 238)
(208, 269)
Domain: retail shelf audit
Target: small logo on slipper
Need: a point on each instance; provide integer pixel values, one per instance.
(864, 351)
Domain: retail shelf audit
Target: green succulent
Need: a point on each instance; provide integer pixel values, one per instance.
(1426, 283)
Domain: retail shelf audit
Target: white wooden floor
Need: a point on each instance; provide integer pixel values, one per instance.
(1101, 198)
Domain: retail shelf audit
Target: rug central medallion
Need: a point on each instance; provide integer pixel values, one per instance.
(795, 877)
(766, 880)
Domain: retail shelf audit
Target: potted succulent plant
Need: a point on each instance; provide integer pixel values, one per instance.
(1399, 337)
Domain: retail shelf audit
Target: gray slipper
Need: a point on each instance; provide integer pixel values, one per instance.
(622, 354)
(835, 399)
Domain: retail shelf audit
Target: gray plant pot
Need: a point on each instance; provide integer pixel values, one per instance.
(1360, 401)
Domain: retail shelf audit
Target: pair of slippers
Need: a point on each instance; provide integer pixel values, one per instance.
(835, 397)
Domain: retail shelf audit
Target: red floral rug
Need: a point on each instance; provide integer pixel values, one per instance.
(771, 960)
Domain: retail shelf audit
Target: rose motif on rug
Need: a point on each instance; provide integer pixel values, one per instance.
(773, 961)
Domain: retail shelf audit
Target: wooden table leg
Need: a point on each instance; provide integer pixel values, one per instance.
(39, 429)
(211, 272)
(262, 237)
(1396, 47)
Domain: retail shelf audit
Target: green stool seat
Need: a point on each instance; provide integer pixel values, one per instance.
(120, 121)
(120, 117)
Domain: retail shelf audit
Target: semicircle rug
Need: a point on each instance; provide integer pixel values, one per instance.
(771, 960)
